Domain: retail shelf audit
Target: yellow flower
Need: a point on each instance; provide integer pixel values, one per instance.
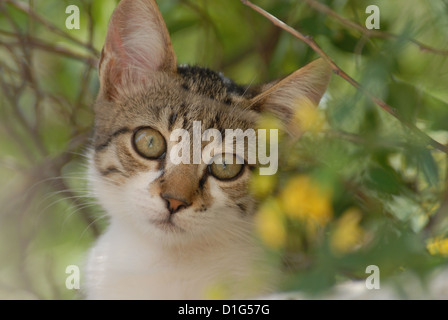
(217, 291)
(348, 234)
(308, 117)
(262, 185)
(269, 121)
(269, 225)
(438, 246)
(270, 124)
(304, 199)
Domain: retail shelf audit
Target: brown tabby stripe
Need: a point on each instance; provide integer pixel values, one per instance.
(242, 206)
(112, 137)
(111, 170)
(172, 120)
(129, 163)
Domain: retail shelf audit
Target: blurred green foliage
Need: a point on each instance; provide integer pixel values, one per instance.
(386, 186)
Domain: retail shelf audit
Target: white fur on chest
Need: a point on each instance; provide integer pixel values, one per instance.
(125, 265)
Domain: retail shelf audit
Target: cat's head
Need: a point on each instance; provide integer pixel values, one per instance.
(144, 97)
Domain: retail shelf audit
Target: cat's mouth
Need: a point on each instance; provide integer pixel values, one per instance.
(167, 225)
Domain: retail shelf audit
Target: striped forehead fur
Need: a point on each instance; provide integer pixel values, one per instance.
(196, 94)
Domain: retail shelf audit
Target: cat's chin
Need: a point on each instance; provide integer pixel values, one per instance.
(174, 230)
(167, 225)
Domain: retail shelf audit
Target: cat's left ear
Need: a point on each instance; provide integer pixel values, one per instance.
(284, 98)
(137, 44)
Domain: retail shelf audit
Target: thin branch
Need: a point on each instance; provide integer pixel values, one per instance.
(38, 44)
(439, 218)
(13, 100)
(34, 15)
(338, 71)
(356, 139)
(11, 133)
(371, 33)
(202, 13)
(205, 17)
(86, 75)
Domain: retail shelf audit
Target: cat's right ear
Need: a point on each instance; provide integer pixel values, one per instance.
(137, 44)
(285, 98)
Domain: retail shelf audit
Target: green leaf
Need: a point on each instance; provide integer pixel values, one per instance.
(347, 42)
(384, 180)
(434, 111)
(182, 24)
(428, 166)
(405, 98)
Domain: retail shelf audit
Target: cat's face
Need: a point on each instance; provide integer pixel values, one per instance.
(144, 98)
(140, 183)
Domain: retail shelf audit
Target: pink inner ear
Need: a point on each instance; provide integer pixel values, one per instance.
(115, 43)
(113, 47)
(137, 44)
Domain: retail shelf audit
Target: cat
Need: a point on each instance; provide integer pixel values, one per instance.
(175, 231)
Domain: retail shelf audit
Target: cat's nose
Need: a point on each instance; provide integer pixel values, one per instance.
(174, 203)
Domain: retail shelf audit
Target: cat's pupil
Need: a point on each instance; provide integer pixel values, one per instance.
(150, 142)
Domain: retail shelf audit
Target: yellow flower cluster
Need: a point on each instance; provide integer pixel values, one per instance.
(270, 224)
(301, 199)
(304, 199)
(347, 234)
(270, 122)
(438, 246)
(308, 117)
(217, 291)
(263, 185)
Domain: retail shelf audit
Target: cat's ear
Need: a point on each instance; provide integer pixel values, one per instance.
(284, 98)
(137, 44)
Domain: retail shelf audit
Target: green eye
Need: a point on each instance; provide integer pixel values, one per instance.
(149, 143)
(224, 167)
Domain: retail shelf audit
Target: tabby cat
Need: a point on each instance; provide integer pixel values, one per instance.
(176, 231)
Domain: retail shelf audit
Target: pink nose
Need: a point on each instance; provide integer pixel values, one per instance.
(174, 204)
